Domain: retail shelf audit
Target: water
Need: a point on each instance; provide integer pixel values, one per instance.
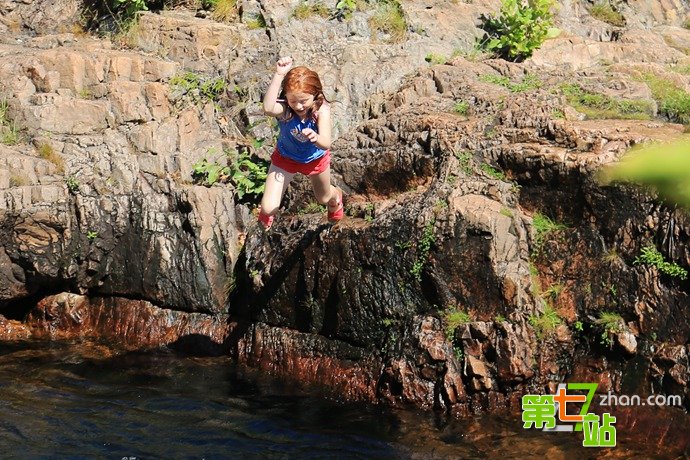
(84, 400)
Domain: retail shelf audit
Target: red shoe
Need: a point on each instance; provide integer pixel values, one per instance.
(339, 212)
(265, 220)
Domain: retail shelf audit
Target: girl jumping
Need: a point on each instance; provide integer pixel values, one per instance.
(295, 97)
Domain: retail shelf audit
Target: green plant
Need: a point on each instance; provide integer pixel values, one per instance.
(223, 10)
(389, 19)
(208, 173)
(423, 249)
(599, 106)
(47, 152)
(465, 159)
(305, 10)
(312, 208)
(506, 212)
(577, 325)
(91, 235)
(520, 28)
(453, 319)
(256, 21)
(440, 206)
(9, 134)
(461, 107)
(345, 8)
(492, 172)
(553, 291)
(369, 212)
(684, 69)
(610, 323)
(403, 245)
(199, 88)
(545, 323)
(247, 177)
(131, 7)
(18, 181)
(605, 12)
(499, 319)
(544, 227)
(528, 82)
(673, 101)
(72, 184)
(649, 255)
(434, 58)
(229, 285)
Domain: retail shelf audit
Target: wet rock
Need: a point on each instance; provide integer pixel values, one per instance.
(343, 369)
(131, 324)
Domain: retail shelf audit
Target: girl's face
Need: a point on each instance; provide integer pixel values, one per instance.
(300, 103)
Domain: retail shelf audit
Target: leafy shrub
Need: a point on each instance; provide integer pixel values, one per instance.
(521, 28)
(651, 256)
(248, 177)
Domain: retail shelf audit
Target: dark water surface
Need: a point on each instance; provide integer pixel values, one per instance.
(84, 401)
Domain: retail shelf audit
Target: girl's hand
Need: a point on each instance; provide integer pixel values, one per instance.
(284, 65)
(311, 134)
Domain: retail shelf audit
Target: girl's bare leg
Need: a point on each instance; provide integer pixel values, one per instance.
(323, 190)
(277, 183)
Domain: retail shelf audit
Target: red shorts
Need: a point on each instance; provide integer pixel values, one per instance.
(308, 169)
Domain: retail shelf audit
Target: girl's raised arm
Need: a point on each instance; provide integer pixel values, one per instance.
(271, 105)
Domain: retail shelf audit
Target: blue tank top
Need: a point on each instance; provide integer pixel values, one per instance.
(295, 145)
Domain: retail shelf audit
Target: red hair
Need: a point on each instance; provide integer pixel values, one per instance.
(303, 80)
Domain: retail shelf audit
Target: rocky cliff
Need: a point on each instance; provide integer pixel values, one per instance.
(480, 258)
